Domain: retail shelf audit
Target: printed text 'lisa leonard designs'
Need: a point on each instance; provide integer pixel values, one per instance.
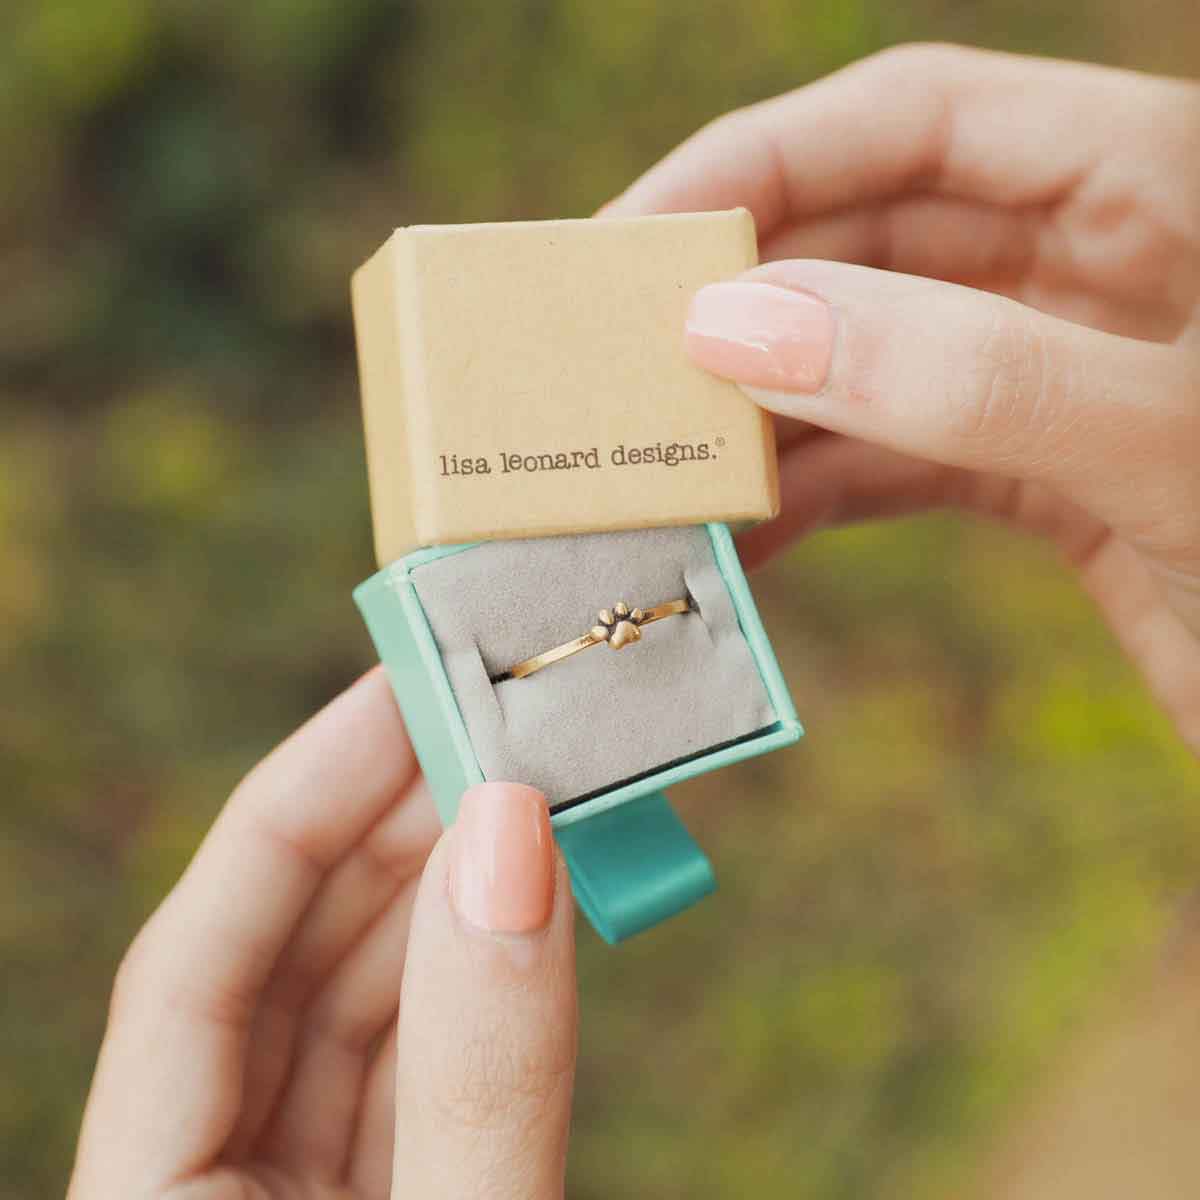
(505, 462)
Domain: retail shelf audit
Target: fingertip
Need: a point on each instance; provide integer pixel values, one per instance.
(503, 861)
(761, 335)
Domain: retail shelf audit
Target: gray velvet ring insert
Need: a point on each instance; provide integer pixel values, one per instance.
(601, 719)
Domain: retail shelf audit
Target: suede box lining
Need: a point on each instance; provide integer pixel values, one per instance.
(601, 717)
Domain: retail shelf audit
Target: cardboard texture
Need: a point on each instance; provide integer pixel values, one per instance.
(528, 379)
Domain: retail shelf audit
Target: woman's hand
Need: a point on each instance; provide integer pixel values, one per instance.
(1057, 385)
(314, 991)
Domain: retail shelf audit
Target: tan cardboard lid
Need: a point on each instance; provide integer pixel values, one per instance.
(529, 379)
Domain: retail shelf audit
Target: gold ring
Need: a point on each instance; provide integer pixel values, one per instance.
(619, 626)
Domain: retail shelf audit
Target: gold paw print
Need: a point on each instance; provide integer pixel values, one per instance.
(619, 625)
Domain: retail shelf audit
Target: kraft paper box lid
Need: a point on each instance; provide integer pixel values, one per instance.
(529, 378)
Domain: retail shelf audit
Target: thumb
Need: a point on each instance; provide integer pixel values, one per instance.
(487, 1026)
(958, 376)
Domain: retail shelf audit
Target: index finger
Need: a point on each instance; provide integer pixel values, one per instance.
(215, 939)
(974, 124)
(169, 1080)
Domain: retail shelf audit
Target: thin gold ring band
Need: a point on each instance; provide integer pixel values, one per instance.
(619, 626)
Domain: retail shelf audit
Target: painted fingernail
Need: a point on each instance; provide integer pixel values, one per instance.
(761, 335)
(502, 868)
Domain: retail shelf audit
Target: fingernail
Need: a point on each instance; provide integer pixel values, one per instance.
(502, 868)
(761, 335)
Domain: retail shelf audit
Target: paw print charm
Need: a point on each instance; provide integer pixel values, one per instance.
(619, 626)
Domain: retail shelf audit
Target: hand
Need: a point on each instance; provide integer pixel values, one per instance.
(1058, 389)
(308, 995)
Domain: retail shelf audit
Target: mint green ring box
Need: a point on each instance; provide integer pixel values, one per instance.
(632, 862)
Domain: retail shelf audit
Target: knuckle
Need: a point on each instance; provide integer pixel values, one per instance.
(133, 976)
(254, 780)
(498, 1083)
(726, 129)
(1012, 391)
(921, 60)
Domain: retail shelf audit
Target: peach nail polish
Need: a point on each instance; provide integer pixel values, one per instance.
(761, 335)
(502, 868)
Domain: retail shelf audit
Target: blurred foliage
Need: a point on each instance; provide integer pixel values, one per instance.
(989, 820)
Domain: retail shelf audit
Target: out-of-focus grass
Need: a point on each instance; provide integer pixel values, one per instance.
(988, 821)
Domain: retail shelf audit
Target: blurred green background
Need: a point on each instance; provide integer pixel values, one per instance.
(989, 824)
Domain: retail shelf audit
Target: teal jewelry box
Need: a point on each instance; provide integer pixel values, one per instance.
(538, 445)
(632, 862)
